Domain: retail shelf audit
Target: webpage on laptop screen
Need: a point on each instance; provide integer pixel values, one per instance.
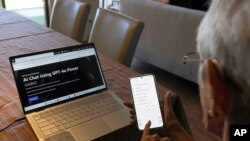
(53, 77)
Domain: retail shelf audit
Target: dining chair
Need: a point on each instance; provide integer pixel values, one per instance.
(50, 5)
(2, 3)
(116, 35)
(94, 6)
(69, 17)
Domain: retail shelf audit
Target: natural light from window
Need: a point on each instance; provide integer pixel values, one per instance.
(23, 4)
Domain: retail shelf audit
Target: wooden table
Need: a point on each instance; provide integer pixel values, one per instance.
(19, 35)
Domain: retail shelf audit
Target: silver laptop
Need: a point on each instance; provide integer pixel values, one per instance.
(64, 95)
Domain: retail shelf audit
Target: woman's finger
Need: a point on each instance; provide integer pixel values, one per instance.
(128, 104)
(146, 130)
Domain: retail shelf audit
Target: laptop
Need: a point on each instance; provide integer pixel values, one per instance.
(64, 95)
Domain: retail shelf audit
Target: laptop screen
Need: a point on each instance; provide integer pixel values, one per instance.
(53, 76)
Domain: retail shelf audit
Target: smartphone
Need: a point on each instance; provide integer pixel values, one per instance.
(146, 101)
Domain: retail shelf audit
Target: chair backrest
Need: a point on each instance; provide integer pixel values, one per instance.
(50, 6)
(2, 3)
(69, 17)
(116, 35)
(94, 6)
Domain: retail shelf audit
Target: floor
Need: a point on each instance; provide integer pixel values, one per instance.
(35, 14)
(31, 9)
(188, 93)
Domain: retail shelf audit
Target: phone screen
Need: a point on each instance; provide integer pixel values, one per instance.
(146, 101)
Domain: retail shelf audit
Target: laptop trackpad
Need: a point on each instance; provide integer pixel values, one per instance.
(63, 136)
(91, 130)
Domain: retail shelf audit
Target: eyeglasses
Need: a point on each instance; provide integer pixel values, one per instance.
(194, 57)
(191, 57)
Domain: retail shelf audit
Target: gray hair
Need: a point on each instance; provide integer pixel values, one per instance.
(224, 34)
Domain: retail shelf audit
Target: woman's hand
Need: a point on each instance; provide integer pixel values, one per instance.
(131, 111)
(155, 137)
(172, 127)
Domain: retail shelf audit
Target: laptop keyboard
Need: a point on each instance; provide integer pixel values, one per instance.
(72, 114)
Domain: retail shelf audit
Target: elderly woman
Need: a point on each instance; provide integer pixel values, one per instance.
(223, 44)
